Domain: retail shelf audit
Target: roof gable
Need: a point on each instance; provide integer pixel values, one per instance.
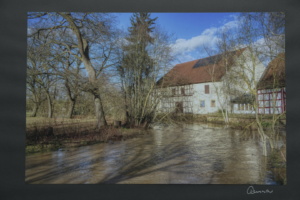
(274, 75)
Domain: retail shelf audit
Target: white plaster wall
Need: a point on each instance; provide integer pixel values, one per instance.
(247, 70)
(251, 72)
(247, 74)
(199, 94)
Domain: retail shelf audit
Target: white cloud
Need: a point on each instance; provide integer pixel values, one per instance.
(230, 25)
(206, 39)
(210, 31)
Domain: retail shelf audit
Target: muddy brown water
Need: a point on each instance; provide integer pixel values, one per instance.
(187, 154)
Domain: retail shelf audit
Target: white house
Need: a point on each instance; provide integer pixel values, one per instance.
(199, 86)
(271, 88)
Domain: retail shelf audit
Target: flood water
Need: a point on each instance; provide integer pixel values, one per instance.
(187, 154)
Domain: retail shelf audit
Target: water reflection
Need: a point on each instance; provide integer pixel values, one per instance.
(190, 154)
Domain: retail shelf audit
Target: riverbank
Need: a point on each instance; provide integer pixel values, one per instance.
(277, 165)
(236, 121)
(44, 134)
(198, 153)
(50, 135)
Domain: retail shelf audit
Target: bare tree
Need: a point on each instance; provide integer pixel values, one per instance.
(262, 36)
(69, 70)
(34, 89)
(272, 28)
(222, 63)
(249, 71)
(145, 54)
(71, 76)
(91, 34)
(40, 75)
(264, 33)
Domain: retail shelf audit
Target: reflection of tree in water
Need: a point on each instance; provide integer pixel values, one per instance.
(187, 154)
(244, 164)
(145, 161)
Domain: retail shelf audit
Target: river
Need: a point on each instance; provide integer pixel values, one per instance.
(186, 154)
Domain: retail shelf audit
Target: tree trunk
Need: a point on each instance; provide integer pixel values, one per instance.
(35, 109)
(50, 110)
(83, 47)
(127, 120)
(262, 134)
(101, 121)
(71, 108)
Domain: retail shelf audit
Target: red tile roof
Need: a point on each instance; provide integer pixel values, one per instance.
(274, 75)
(203, 70)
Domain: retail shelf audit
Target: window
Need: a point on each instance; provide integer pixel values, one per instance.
(202, 103)
(250, 107)
(247, 107)
(206, 89)
(242, 107)
(173, 91)
(182, 91)
(267, 103)
(213, 103)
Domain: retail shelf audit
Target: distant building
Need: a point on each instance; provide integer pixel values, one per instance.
(198, 86)
(271, 88)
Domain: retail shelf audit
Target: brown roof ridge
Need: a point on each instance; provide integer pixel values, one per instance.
(219, 54)
(197, 71)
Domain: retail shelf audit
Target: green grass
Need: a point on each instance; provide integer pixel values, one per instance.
(42, 148)
(45, 120)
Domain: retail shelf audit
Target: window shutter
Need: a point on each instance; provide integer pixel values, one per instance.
(206, 89)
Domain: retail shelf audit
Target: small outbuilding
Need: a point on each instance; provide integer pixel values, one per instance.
(243, 104)
(271, 88)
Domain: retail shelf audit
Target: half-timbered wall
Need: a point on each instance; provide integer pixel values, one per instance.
(176, 99)
(271, 101)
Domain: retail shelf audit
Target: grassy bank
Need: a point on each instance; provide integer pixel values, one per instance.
(277, 164)
(236, 121)
(44, 134)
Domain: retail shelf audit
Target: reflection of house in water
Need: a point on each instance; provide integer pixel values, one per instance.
(198, 86)
(271, 88)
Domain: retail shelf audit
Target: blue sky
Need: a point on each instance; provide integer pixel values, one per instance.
(191, 31)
